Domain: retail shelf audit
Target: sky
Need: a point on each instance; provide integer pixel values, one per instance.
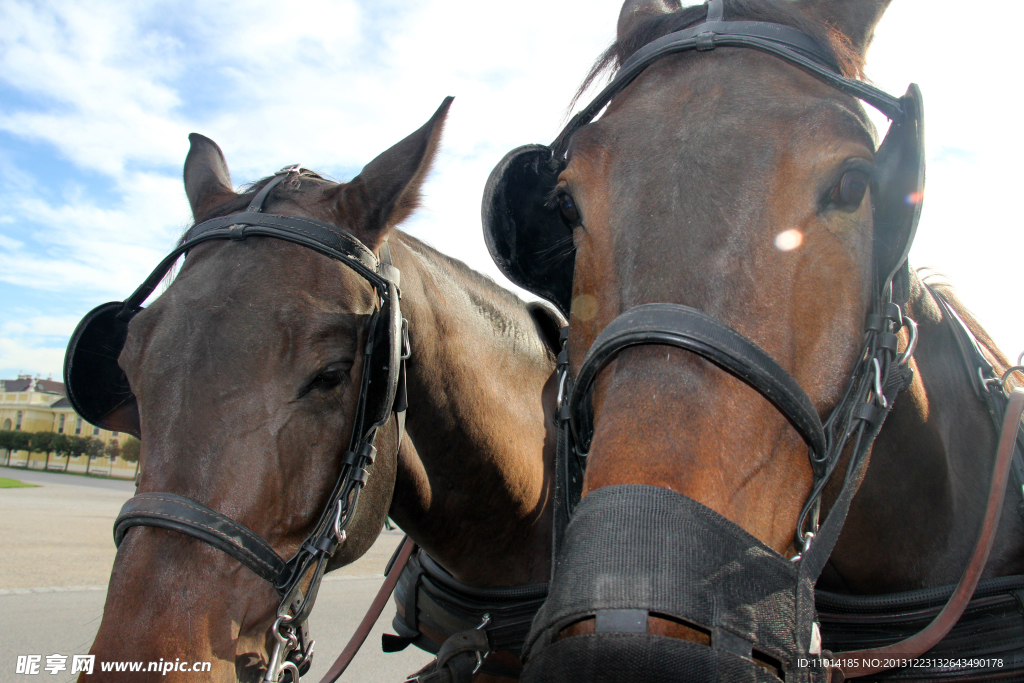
(97, 99)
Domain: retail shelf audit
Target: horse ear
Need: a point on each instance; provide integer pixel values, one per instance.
(207, 181)
(634, 12)
(855, 19)
(387, 190)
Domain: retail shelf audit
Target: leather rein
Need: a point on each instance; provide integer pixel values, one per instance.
(296, 580)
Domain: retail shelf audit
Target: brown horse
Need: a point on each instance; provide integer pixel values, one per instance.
(740, 185)
(246, 380)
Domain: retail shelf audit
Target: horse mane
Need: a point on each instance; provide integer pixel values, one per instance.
(494, 301)
(851, 63)
(938, 282)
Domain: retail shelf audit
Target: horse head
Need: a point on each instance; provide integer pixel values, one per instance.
(251, 374)
(733, 223)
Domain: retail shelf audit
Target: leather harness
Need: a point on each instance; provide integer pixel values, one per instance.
(433, 606)
(297, 579)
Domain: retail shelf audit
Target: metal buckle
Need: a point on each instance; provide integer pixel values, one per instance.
(285, 644)
(339, 533)
(878, 383)
(294, 168)
(406, 345)
(561, 388)
(911, 342)
(481, 657)
(808, 536)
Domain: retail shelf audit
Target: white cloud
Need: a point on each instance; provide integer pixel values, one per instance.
(115, 86)
(27, 356)
(41, 326)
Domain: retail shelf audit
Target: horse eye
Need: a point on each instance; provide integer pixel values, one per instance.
(850, 189)
(329, 378)
(567, 207)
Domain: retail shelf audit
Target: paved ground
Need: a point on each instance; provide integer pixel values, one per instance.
(56, 550)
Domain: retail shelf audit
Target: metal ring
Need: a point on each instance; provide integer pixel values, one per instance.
(985, 381)
(289, 665)
(1010, 371)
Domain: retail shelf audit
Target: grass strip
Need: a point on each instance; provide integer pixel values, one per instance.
(14, 484)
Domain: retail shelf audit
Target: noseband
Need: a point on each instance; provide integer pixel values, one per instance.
(381, 393)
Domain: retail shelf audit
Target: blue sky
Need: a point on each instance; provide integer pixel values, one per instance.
(97, 99)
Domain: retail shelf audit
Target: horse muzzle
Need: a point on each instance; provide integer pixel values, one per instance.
(633, 551)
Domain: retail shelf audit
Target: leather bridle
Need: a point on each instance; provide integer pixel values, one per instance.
(880, 373)
(297, 579)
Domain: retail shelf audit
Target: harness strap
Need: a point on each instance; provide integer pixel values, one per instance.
(461, 656)
(926, 639)
(394, 571)
(985, 382)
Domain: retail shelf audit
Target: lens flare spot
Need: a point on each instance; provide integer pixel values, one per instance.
(788, 240)
(915, 198)
(584, 307)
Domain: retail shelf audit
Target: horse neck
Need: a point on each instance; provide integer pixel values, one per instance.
(916, 517)
(473, 485)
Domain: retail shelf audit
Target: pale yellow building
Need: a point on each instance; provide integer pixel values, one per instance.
(32, 404)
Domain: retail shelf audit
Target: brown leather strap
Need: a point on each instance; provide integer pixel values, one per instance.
(372, 614)
(928, 638)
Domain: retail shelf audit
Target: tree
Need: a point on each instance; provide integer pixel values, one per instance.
(113, 451)
(7, 443)
(21, 441)
(94, 450)
(42, 442)
(131, 451)
(77, 447)
(62, 447)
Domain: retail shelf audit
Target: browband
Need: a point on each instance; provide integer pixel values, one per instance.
(321, 237)
(782, 41)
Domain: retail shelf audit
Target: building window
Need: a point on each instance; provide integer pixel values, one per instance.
(60, 425)
(7, 425)
(113, 435)
(78, 426)
(17, 424)
(95, 431)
